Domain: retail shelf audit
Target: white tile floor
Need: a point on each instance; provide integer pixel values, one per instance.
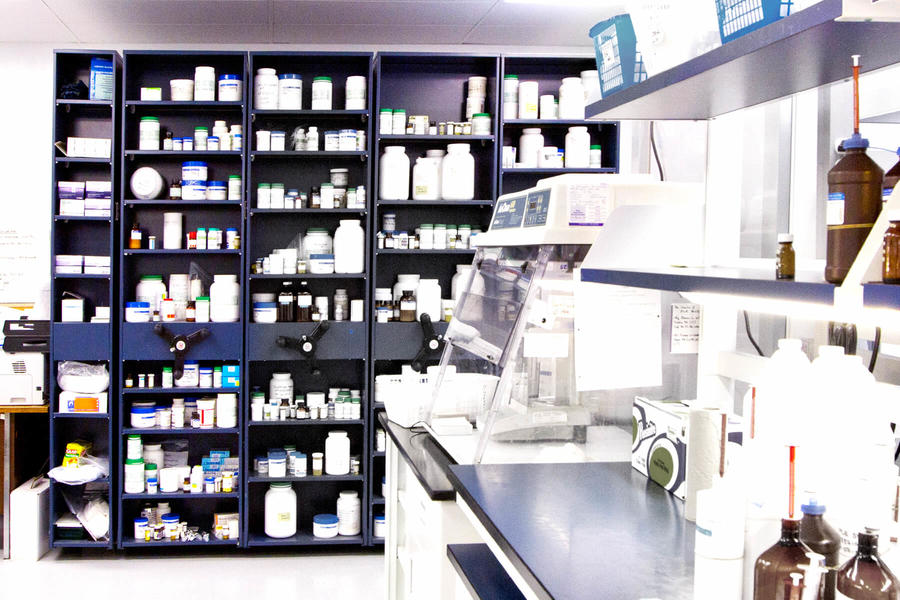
(220, 576)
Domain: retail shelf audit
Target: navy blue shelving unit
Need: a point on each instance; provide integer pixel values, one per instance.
(433, 85)
(141, 350)
(342, 354)
(549, 72)
(95, 236)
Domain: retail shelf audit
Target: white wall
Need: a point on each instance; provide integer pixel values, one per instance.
(26, 120)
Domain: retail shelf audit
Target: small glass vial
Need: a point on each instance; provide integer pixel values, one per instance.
(317, 463)
(407, 307)
(890, 272)
(784, 260)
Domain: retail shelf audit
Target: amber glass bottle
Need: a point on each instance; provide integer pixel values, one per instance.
(775, 565)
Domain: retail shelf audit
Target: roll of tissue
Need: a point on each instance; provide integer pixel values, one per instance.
(704, 430)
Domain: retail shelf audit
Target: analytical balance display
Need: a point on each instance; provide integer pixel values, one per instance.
(509, 362)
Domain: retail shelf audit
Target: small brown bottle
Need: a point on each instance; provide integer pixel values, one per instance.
(775, 565)
(822, 538)
(304, 303)
(865, 577)
(407, 307)
(134, 242)
(890, 267)
(175, 190)
(785, 260)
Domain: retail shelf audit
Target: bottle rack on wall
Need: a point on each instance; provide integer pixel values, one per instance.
(92, 235)
(142, 350)
(433, 85)
(341, 354)
(549, 72)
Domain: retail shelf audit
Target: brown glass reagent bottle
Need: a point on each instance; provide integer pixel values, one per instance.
(865, 577)
(775, 565)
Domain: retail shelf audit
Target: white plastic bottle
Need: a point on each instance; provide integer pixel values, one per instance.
(530, 144)
(578, 148)
(349, 247)
(426, 180)
(428, 299)
(571, 99)
(337, 453)
(460, 281)
(281, 387)
(405, 281)
(224, 299)
(266, 89)
(348, 513)
(151, 289)
(437, 156)
(281, 510)
(394, 174)
(458, 173)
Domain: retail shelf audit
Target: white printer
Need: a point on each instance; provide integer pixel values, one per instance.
(23, 362)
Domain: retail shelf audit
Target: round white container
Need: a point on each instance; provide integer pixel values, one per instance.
(182, 90)
(217, 190)
(263, 140)
(317, 241)
(134, 448)
(528, 99)
(571, 99)
(205, 84)
(379, 529)
(548, 107)
(134, 476)
(193, 190)
(481, 124)
(265, 89)
(149, 134)
(152, 290)
(146, 183)
(355, 93)
(137, 312)
(142, 417)
(596, 159)
(437, 155)
(224, 299)
(226, 410)
(281, 510)
(428, 299)
(172, 230)
(179, 291)
(510, 92)
(234, 187)
(460, 281)
(277, 141)
(325, 526)
(398, 126)
(394, 174)
(405, 281)
(386, 121)
(321, 93)
(348, 513)
(231, 88)
(194, 170)
(547, 157)
(478, 86)
(474, 105)
(290, 91)
(281, 387)
(426, 180)
(206, 410)
(265, 312)
(349, 247)
(578, 148)
(458, 173)
(530, 144)
(590, 80)
(337, 453)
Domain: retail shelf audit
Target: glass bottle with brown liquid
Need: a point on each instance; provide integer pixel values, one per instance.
(785, 259)
(775, 565)
(865, 576)
(890, 266)
(854, 201)
(304, 303)
(407, 307)
(891, 179)
(823, 539)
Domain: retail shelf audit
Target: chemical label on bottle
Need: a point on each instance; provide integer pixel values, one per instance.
(408, 305)
(834, 209)
(283, 516)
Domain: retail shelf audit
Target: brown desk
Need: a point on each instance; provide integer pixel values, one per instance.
(9, 421)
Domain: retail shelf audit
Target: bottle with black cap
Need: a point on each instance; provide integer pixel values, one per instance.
(865, 576)
(821, 538)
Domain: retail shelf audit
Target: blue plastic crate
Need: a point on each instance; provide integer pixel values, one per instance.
(618, 59)
(738, 17)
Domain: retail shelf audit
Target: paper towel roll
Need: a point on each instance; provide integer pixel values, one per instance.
(719, 579)
(704, 432)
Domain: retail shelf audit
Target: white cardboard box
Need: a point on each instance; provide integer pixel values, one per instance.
(29, 525)
(78, 402)
(659, 442)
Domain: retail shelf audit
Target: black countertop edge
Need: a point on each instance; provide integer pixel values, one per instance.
(518, 563)
(438, 486)
(482, 573)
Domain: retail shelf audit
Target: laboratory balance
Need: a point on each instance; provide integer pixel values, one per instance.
(509, 360)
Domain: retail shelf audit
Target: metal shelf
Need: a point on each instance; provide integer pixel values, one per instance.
(450, 251)
(308, 153)
(169, 544)
(187, 105)
(309, 276)
(307, 479)
(80, 276)
(129, 252)
(185, 153)
(81, 415)
(59, 218)
(555, 171)
(302, 539)
(462, 139)
(180, 390)
(305, 422)
(182, 496)
(310, 113)
(169, 203)
(182, 431)
(307, 211)
(78, 102)
(414, 203)
(79, 159)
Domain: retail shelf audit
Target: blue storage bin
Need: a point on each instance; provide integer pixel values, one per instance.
(738, 17)
(618, 59)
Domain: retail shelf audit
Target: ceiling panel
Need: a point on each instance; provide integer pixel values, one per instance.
(31, 21)
(572, 35)
(136, 34)
(550, 17)
(369, 34)
(334, 13)
(179, 12)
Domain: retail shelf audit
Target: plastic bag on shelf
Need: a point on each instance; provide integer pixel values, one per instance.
(175, 453)
(89, 506)
(84, 378)
(88, 469)
(198, 273)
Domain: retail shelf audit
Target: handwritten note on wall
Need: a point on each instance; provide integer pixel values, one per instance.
(21, 272)
(685, 328)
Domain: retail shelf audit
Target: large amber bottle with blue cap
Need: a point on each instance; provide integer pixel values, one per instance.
(854, 201)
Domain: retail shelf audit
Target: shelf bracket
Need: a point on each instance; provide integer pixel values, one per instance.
(432, 343)
(306, 345)
(179, 345)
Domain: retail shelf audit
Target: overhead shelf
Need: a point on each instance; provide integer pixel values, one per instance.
(800, 52)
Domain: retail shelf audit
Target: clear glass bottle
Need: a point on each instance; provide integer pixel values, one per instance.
(776, 564)
(865, 576)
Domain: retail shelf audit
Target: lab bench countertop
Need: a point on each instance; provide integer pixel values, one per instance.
(424, 456)
(583, 531)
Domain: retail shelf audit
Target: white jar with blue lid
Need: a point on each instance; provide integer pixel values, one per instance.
(137, 312)
(143, 417)
(380, 528)
(191, 375)
(265, 312)
(333, 141)
(216, 190)
(230, 88)
(290, 91)
(193, 190)
(194, 170)
(325, 526)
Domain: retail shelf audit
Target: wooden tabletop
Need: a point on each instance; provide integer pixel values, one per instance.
(24, 408)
